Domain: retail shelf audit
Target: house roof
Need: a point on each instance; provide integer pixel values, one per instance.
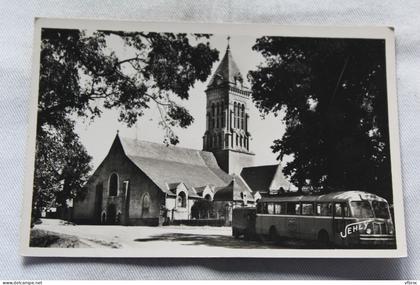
(233, 191)
(169, 164)
(200, 190)
(265, 178)
(227, 71)
(172, 187)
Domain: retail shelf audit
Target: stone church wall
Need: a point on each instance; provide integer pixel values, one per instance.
(137, 201)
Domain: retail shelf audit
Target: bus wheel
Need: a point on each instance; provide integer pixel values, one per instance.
(273, 236)
(323, 238)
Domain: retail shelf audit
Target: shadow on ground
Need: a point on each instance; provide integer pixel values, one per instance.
(225, 241)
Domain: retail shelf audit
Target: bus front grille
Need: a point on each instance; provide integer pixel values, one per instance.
(379, 228)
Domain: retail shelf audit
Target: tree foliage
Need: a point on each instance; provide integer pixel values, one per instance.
(203, 209)
(81, 75)
(61, 166)
(333, 93)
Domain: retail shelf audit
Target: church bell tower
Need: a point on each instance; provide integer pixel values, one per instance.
(227, 134)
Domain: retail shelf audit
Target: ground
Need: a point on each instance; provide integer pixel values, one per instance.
(57, 233)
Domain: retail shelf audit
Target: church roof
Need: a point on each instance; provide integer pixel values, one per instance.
(227, 72)
(265, 178)
(235, 191)
(168, 165)
(172, 187)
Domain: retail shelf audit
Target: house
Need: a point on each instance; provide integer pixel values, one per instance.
(266, 179)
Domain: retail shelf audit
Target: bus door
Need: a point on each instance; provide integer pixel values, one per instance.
(340, 212)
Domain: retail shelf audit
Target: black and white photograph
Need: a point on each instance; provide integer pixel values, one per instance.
(212, 140)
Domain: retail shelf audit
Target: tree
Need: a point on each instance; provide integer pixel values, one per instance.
(334, 98)
(80, 76)
(202, 209)
(61, 167)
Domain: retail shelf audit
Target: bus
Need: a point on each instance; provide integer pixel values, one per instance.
(342, 219)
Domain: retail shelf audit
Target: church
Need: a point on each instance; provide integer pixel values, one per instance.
(145, 183)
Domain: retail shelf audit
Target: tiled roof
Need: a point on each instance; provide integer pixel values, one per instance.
(172, 187)
(264, 178)
(227, 71)
(168, 165)
(232, 192)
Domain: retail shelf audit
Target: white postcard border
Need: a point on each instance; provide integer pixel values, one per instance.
(386, 33)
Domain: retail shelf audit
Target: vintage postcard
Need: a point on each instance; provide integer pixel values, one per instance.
(212, 140)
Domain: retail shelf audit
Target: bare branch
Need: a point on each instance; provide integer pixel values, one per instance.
(137, 58)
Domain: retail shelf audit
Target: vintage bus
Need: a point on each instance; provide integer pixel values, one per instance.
(343, 219)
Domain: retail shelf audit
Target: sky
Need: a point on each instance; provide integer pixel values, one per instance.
(97, 136)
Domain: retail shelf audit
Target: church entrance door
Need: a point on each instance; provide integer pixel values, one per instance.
(111, 214)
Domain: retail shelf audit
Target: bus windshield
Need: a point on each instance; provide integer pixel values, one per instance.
(380, 209)
(361, 209)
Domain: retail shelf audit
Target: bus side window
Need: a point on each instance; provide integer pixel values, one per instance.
(324, 209)
(346, 210)
(307, 209)
(318, 209)
(264, 208)
(298, 208)
(270, 208)
(283, 208)
(337, 210)
(278, 208)
(291, 208)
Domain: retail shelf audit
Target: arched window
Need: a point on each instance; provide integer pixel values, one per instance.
(223, 115)
(242, 116)
(246, 122)
(113, 185)
(181, 200)
(238, 115)
(208, 197)
(213, 116)
(145, 204)
(230, 119)
(103, 218)
(234, 114)
(217, 115)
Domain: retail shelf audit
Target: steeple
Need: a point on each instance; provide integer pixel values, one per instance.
(227, 134)
(227, 73)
